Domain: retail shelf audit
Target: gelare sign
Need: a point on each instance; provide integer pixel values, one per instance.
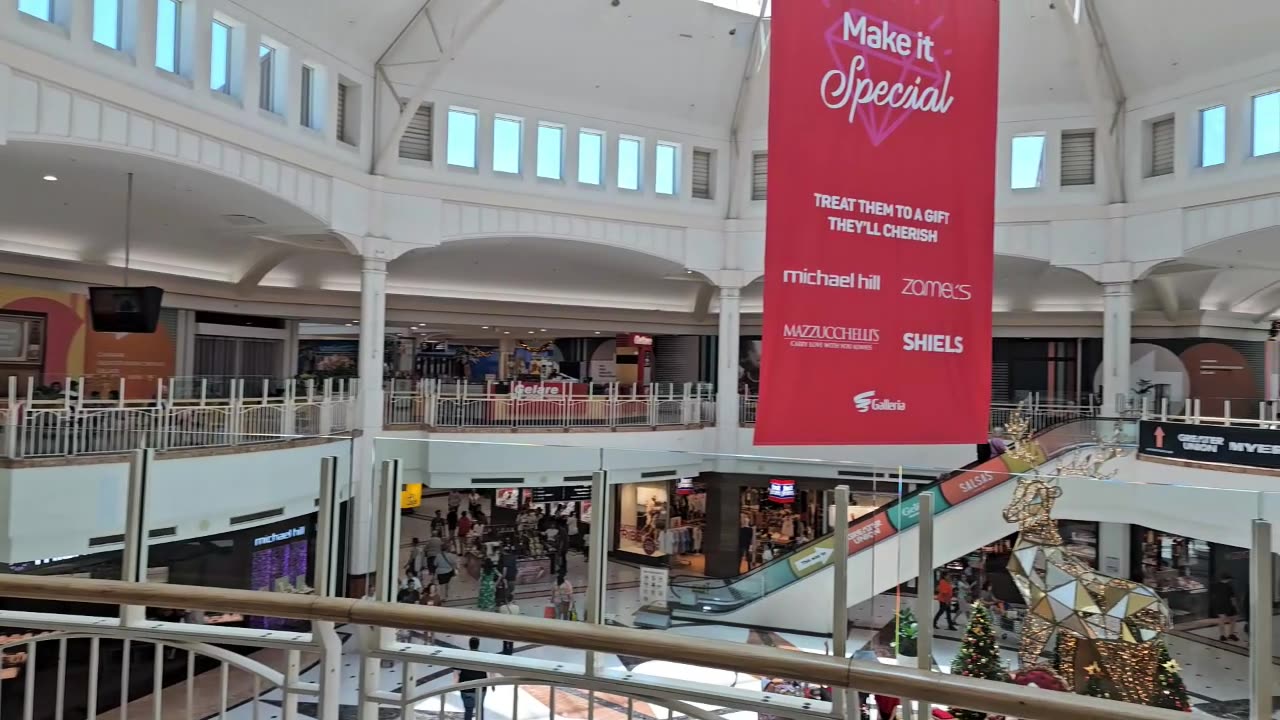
(879, 242)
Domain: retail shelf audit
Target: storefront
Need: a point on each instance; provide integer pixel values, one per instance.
(1180, 569)
(662, 523)
(268, 558)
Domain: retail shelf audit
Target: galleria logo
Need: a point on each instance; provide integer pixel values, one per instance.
(868, 402)
(848, 281)
(920, 342)
(916, 287)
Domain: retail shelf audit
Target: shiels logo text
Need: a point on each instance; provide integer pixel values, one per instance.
(921, 342)
(916, 287)
(868, 402)
(830, 337)
(818, 278)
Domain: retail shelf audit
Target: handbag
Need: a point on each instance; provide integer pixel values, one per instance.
(549, 612)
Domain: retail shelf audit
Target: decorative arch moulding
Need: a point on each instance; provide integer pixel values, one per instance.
(39, 111)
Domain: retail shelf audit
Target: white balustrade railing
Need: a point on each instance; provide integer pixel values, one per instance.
(74, 426)
(551, 406)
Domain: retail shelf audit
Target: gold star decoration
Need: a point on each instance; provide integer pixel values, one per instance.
(1093, 669)
(1172, 666)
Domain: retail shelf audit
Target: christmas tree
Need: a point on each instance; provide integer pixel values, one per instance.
(979, 656)
(1170, 692)
(1097, 686)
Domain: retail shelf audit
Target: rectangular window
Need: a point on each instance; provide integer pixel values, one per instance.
(701, 172)
(220, 58)
(106, 23)
(308, 116)
(415, 144)
(1077, 157)
(1162, 148)
(267, 78)
(507, 132)
(1213, 136)
(1026, 167)
(1266, 124)
(759, 176)
(348, 116)
(461, 147)
(168, 34)
(590, 157)
(39, 9)
(550, 151)
(629, 154)
(666, 169)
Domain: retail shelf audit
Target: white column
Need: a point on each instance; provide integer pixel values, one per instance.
(727, 369)
(1117, 331)
(289, 355)
(1114, 541)
(373, 316)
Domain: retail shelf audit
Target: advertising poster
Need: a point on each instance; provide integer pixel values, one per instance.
(879, 242)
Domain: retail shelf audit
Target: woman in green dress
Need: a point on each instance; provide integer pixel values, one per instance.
(488, 599)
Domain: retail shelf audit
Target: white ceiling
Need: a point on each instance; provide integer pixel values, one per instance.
(185, 221)
(538, 270)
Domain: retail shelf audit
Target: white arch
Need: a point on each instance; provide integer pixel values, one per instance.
(100, 124)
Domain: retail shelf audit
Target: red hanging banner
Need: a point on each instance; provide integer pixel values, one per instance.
(879, 252)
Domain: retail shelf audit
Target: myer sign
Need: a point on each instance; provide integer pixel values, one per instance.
(1251, 446)
(273, 538)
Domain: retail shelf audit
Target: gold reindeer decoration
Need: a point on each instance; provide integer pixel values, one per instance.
(1097, 616)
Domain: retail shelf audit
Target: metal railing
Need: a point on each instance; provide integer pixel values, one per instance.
(76, 426)
(1040, 415)
(1214, 411)
(455, 406)
(375, 647)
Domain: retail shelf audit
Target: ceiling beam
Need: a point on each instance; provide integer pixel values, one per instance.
(269, 261)
(1166, 295)
(1102, 82)
(431, 73)
(748, 84)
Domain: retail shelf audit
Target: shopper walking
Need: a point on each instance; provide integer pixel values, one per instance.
(472, 697)
(562, 597)
(464, 531)
(444, 574)
(488, 599)
(1223, 607)
(451, 523)
(944, 594)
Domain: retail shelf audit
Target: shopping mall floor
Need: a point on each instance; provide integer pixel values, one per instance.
(1216, 678)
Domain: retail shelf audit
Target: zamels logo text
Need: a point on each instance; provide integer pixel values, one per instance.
(865, 48)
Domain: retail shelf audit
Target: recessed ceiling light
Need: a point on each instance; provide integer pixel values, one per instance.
(51, 178)
(484, 327)
(506, 332)
(542, 329)
(597, 332)
(530, 332)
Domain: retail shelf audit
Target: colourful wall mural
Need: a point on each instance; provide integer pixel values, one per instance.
(73, 350)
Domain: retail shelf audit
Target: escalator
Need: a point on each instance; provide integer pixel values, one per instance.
(882, 546)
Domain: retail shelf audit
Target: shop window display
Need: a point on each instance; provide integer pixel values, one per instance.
(663, 521)
(1178, 568)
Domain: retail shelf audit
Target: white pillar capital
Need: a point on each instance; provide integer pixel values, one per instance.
(730, 293)
(1117, 289)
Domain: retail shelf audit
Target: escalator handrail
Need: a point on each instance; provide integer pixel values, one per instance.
(884, 509)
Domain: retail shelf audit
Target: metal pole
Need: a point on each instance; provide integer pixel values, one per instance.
(327, 527)
(924, 595)
(840, 588)
(134, 563)
(1260, 670)
(598, 557)
(388, 518)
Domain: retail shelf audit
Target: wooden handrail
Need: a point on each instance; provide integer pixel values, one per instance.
(937, 688)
